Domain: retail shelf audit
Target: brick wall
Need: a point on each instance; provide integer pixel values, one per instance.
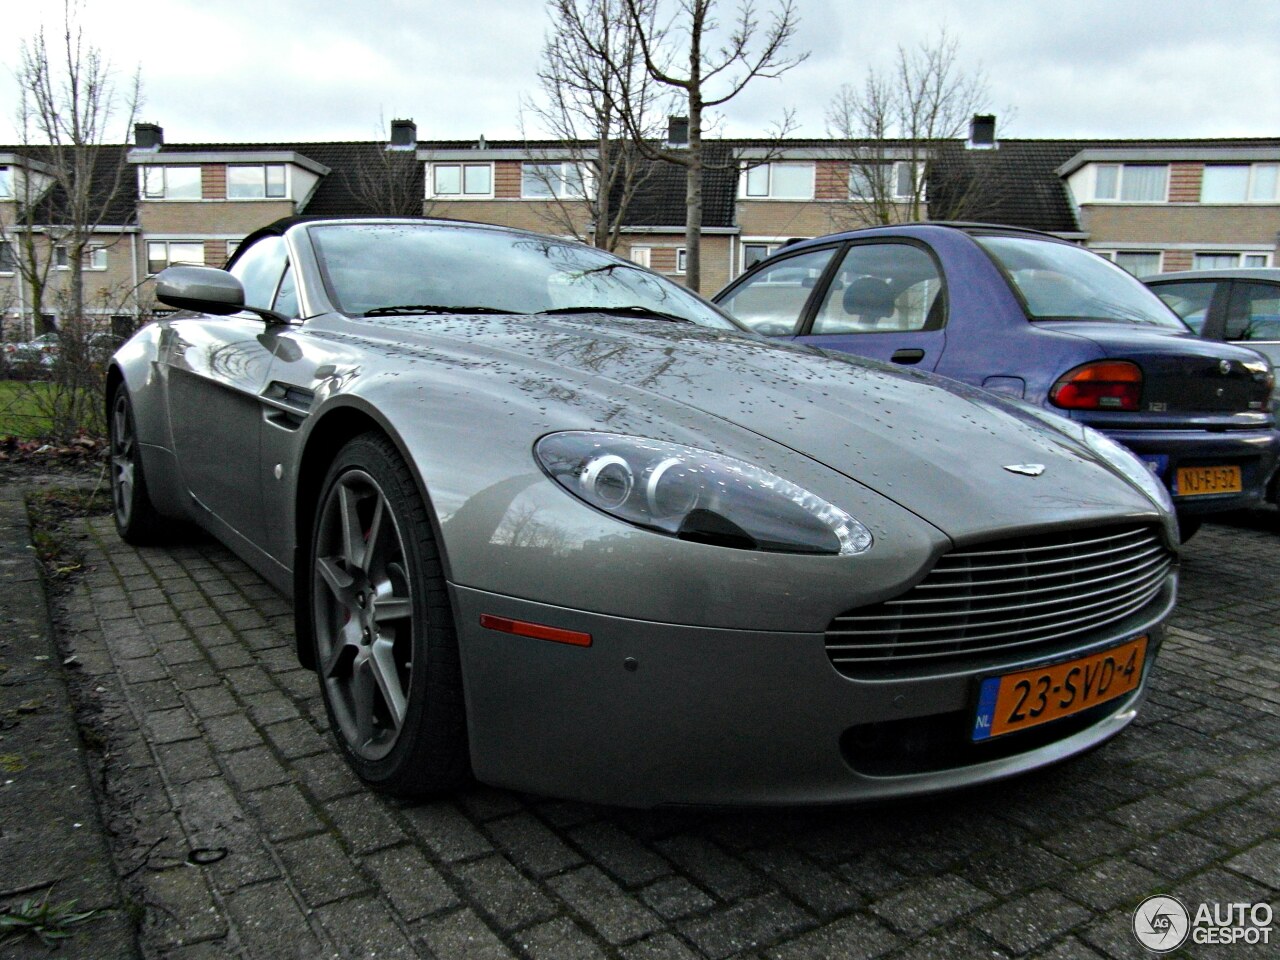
(1176, 260)
(506, 179)
(831, 180)
(215, 253)
(213, 181)
(1184, 182)
(194, 218)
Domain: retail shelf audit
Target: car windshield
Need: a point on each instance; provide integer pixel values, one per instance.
(1058, 281)
(372, 268)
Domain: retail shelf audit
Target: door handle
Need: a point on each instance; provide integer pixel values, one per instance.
(908, 355)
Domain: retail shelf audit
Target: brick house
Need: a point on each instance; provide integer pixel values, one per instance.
(1150, 205)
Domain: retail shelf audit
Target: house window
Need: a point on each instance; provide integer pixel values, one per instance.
(779, 181)
(257, 181)
(641, 255)
(753, 253)
(462, 180)
(885, 181)
(1239, 183)
(682, 260)
(6, 182)
(1131, 182)
(1141, 263)
(171, 183)
(1228, 261)
(93, 258)
(8, 262)
(165, 253)
(542, 181)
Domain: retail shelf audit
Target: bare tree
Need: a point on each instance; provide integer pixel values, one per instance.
(718, 64)
(386, 178)
(592, 68)
(69, 108)
(903, 119)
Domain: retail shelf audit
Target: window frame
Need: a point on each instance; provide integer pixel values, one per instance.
(266, 181)
(805, 317)
(1250, 183)
(584, 178)
(149, 170)
(11, 248)
(1120, 169)
(768, 166)
(895, 174)
(169, 261)
(462, 194)
(936, 318)
(6, 182)
(1115, 255)
(94, 257)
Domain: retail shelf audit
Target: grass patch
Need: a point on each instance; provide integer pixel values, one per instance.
(48, 510)
(23, 408)
(37, 917)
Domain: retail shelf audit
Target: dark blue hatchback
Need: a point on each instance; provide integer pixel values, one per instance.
(1039, 319)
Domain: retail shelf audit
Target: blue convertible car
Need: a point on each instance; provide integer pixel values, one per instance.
(1040, 319)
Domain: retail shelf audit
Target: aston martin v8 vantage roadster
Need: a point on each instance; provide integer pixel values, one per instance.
(555, 523)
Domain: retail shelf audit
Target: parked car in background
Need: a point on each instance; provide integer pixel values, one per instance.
(550, 518)
(1239, 306)
(40, 351)
(1039, 319)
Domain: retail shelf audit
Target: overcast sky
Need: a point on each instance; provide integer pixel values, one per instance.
(261, 70)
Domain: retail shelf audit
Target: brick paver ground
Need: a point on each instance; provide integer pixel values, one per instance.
(245, 835)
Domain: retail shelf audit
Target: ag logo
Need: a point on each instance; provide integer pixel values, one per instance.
(1161, 924)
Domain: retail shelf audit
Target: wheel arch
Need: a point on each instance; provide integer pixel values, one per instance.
(335, 427)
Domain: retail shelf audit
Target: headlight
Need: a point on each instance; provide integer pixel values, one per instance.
(697, 495)
(1133, 469)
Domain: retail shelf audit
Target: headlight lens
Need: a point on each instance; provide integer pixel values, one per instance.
(697, 495)
(1130, 466)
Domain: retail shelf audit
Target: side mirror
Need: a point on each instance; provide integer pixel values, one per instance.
(204, 289)
(207, 290)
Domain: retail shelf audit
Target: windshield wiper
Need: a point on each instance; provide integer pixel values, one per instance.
(431, 308)
(631, 310)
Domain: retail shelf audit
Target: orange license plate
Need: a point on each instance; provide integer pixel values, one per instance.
(1028, 698)
(1201, 481)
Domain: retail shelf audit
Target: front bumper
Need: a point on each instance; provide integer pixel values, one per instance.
(654, 714)
(1256, 452)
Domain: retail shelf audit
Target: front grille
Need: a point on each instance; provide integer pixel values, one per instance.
(1026, 595)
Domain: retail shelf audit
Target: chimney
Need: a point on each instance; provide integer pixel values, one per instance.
(677, 131)
(982, 131)
(404, 135)
(148, 136)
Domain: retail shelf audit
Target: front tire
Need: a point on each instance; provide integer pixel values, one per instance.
(385, 645)
(137, 520)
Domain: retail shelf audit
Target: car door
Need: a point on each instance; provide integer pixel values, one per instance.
(216, 368)
(883, 300)
(1253, 317)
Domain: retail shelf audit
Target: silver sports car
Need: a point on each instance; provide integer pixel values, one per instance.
(554, 522)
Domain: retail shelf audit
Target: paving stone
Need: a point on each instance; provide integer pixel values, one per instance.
(255, 768)
(499, 889)
(170, 726)
(365, 928)
(664, 946)
(746, 925)
(1111, 883)
(208, 702)
(676, 897)
(321, 870)
(953, 943)
(413, 886)
(326, 776)
(363, 822)
(1177, 854)
(1031, 921)
(708, 865)
(181, 908)
(620, 854)
(231, 732)
(1261, 863)
(269, 922)
(820, 891)
(559, 940)
(284, 813)
(532, 845)
(462, 936)
(604, 906)
(446, 832)
(1005, 871)
(296, 738)
(854, 938)
(926, 905)
(187, 760)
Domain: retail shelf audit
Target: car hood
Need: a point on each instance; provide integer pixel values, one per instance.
(936, 447)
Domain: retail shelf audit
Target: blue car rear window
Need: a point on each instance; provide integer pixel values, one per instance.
(1058, 281)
